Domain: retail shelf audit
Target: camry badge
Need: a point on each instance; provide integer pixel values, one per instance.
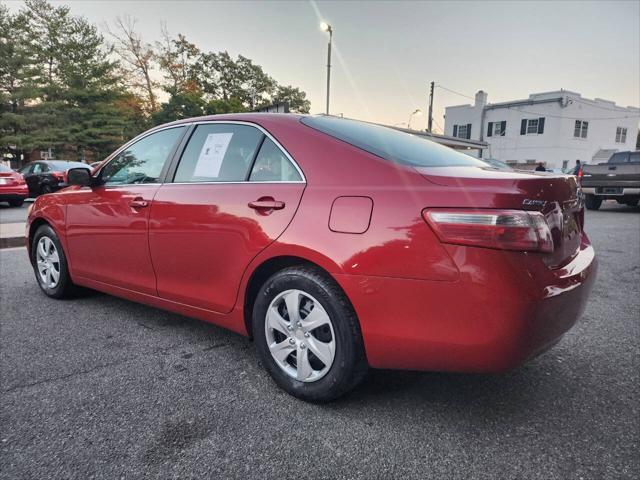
(527, 202)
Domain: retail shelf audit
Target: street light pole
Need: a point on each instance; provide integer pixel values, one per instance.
(417, 111)
(327, 28)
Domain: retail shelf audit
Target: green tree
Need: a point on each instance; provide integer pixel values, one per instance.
(178, 59)
(180, 105)
(294, 97)
(59, 87)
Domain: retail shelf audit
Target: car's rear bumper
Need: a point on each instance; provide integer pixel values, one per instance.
(606, 190)
(506, 308)
(18, 192)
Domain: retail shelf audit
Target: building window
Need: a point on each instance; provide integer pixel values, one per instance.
(580, 130)
(621, 135)
(462, 131)
(532, 126)
(496, 129)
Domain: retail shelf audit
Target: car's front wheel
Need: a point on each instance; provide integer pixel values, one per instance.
(50, 263)
(307, 335)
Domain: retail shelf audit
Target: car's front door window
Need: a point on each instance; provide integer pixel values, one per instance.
(142, 161)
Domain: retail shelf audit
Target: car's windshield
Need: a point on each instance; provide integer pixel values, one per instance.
(391, 144)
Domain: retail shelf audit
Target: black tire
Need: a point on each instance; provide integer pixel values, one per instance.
(592, 202)
(16, 203)
(64, 287)
(633, 203)
(46, 189)
(349, 365)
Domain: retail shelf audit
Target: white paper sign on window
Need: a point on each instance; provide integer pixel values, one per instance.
(212, 154)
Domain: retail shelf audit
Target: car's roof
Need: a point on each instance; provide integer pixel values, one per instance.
(251, 117)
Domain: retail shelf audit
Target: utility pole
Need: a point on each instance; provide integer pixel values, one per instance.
(430, 121)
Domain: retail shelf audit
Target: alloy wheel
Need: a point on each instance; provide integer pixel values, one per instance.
(48, 262)
(300, 335)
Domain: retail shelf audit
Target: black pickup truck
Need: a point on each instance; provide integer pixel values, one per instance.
(618, 179)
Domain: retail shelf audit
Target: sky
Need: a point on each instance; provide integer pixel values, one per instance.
(385, 53)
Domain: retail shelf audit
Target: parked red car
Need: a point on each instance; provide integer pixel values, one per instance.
(13, 188)
(336, 244)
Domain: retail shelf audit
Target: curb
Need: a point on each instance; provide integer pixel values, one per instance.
(10, 242)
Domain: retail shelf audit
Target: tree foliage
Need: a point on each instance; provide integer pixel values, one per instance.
(64, 86)
(59, 88)
(221, 83)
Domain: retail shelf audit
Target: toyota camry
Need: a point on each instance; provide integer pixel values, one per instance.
(336, 245)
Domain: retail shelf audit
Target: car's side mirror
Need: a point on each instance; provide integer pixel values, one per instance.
(79, 176)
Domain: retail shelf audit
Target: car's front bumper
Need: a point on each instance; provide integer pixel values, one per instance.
(506, 308)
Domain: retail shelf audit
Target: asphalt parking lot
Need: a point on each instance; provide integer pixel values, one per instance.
(99, 387)
(14, 214)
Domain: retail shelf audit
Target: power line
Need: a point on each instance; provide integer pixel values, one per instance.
(453, 91)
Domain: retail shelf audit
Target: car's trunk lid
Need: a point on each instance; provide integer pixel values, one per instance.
(556, 196)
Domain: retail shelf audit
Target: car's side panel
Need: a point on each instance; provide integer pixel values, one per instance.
(107, 235)
(52, 210)
(203, 236)
(232, 321)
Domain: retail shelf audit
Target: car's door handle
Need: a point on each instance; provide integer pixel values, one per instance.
(266, 204)
(138, 203)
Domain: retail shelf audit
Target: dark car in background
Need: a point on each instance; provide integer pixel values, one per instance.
(47, 176)
(13, 188)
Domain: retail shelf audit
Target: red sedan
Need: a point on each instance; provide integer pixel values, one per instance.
(337, 245)
(13, 188)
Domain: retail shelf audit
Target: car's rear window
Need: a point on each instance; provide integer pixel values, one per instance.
(5, 169)
(390, 144)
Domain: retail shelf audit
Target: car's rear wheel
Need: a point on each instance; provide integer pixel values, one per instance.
(46, 189)
(307, 335)
(592, 202)
(16, 203)
(50, 263)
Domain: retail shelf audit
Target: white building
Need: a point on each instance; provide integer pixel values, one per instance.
(555, 128)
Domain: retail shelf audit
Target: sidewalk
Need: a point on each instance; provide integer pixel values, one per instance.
(12, 235)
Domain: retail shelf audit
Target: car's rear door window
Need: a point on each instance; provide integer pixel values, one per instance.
(142, 161)
(272, 165)
(390, 144)
(219, 152)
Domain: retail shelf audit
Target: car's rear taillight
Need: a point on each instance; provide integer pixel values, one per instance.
(500, 229)
(59, 176)
(580, 176)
